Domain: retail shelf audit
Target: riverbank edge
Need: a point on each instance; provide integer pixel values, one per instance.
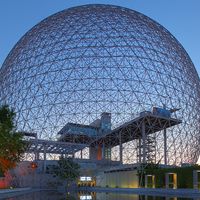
(146, 191)
(9, 193)
(4, 191)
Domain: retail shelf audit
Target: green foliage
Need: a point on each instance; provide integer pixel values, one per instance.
(144, 169)
(66, 169)
(184, 175)
(12, 146)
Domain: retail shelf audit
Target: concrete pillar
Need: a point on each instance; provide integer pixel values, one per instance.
(144, 142)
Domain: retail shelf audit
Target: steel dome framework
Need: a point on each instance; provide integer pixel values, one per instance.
(86, 60)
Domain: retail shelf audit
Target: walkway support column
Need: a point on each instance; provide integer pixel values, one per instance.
(120, 148)
(45, 159)
(81, 154)
(143, 142)
(103, 150)
(140, 151)
(165, 146)
(36, 156)
(165, 140)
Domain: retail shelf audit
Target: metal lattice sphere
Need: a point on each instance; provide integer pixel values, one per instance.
(86, 60)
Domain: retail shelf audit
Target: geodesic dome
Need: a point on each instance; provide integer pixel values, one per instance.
(86, 60)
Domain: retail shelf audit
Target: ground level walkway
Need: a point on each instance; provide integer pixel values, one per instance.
(8, 193)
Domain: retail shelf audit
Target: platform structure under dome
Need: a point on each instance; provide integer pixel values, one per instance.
(86, 60)
(141, 130)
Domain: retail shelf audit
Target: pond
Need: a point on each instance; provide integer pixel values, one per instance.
(52, 195)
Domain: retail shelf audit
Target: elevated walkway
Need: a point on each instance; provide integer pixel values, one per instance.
(54, 147)
(132, 129)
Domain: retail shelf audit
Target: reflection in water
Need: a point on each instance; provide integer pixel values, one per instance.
(48, 195)
(118, 196)
(83, 197)
(52, 195)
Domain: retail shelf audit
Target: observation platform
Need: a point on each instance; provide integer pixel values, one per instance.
(146, 122)
(86, 134)
(78, 133)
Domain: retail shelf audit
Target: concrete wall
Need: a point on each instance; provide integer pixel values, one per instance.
(121, 179)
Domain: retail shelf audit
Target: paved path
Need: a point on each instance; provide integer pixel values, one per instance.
(3, 191)
(8, 193)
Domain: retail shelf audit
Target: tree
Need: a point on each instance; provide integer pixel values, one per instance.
(12, 146)
(66, 169)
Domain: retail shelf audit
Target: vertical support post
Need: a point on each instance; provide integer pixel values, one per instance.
(140, 151)
(165, 141)
(103, 150)
(99, 152)
(73, 149)
(36, 155)
(120, 148)
(144, 142)
(81, 154)
(165, 146)
(45, 158)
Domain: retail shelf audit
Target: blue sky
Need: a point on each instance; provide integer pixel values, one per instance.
(180, 17)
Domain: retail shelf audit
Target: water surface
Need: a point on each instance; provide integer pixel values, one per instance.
(52, 195)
